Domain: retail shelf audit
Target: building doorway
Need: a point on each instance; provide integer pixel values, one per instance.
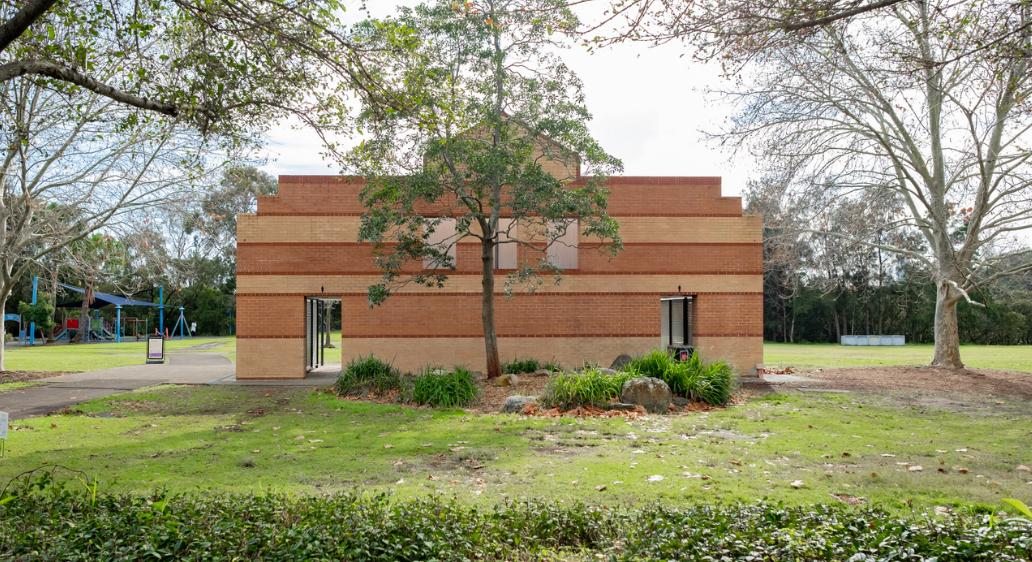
(318, 331)
(677, 315)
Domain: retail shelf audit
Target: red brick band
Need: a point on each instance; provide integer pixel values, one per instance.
(474, 294)
(466, 336)
(584, 245)
(614, 180)
(612, 215)
(505, 271)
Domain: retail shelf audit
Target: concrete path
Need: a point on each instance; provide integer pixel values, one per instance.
(68, 390)
(323, 376)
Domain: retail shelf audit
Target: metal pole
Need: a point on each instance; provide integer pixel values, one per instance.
(183, 320)
(118, 323)
(32, 325)
(161, 308)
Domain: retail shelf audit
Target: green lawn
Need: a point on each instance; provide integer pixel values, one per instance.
(186, 438)
(828, 355)
(92, 356)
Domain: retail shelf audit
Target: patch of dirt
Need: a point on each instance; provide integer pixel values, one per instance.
(980, 382)
(26, 376)
(492, 398)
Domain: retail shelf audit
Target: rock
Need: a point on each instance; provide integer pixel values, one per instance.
(651, 393)
(609, 372)
(681, 401)
(507, 380)
(542, 373)
(621, 360)
(516, 404)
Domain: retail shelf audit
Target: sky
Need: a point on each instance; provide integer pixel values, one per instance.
(649, 108)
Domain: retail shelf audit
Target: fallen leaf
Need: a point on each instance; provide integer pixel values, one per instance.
(1023, 467)
(315, 440)
(961, 450)
(427, 445)
(575, 482)
(637, 452)
(275, 428)
(796, 483)
(736, 463)
(655, 478)
(887, 455)
(940, 451)
(600, 488)
(961, 470)
(942, 510)
(388, 446)
(400, 482)
(256, 451)
(432, 477)
(915, 468)
(299, 437)
(53, 425)
(845, 455)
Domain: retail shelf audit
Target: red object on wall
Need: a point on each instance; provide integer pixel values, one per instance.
(72, 324)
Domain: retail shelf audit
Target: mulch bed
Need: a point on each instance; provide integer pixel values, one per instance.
(924, 379)
(26, 376)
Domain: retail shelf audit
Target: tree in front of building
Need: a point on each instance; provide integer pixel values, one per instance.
(491, 134)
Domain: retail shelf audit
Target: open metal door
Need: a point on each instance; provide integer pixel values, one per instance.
(315, 332)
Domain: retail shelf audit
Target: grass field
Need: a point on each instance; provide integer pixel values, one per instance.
(92, 356)
(827, 355)
(802, 356)
(186, 438)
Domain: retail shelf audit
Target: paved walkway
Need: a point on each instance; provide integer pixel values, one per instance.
(68, 390)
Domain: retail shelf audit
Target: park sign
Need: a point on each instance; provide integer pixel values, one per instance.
(155, 349)
(3, 432)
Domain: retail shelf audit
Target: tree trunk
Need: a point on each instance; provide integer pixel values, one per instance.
(3, 328)
(494, 365)
(834, 317)
(84, 317)
(947, 335)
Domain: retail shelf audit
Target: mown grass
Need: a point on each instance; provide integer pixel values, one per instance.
(93, 356)
(190, 438)
(826, 356)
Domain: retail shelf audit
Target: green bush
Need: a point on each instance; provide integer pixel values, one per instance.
(49, 520)
(713, 383)
(441, 389)
(368, 374)
(591, 387)
(518, 366)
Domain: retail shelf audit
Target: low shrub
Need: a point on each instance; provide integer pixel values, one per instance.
(713, 383)
(442, 389)
(591, 387)
(60, 521)
(519, 366)
(368, 374)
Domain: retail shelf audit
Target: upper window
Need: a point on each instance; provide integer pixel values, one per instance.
(505, 251)
(443, 237)
(562, 253)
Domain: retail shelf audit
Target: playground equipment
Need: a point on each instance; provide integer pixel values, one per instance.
(181, 325)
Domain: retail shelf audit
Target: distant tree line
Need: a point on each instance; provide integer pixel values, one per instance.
(818, 286)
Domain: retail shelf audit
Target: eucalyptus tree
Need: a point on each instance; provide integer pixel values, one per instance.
(76, 163)
(489, 135)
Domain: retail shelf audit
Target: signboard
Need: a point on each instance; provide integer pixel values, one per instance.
(155, 349)
(14, 317)
(3, 425)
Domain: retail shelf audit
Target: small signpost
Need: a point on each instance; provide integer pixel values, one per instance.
(155, 349)
(3, 432)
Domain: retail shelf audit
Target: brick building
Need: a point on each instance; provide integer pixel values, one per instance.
(692, 269)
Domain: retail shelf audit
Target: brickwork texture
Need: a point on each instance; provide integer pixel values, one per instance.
(679, 233)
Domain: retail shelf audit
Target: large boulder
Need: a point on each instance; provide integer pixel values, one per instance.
(621, 360)
(516, 404)
(648, 392)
